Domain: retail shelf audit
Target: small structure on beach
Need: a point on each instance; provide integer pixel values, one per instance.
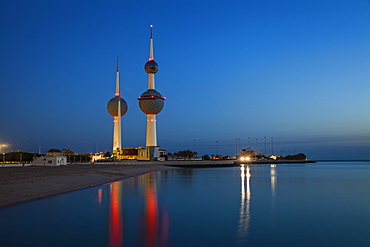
(53, 157)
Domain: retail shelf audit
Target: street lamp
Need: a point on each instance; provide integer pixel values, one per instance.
(3, 158)
(237, 145)
(272, 145)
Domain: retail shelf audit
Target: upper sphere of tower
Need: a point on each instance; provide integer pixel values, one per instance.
(151, 67)
(112, 106)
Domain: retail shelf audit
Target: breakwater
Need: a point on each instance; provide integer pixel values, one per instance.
(206, 163)
(274, 161)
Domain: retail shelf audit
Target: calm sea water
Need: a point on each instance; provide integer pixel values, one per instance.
(323, 204)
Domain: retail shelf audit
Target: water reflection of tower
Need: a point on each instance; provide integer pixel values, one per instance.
(156, 225)
(117, 107)
(151, 102)
(115, 216)
(244, 214)
(153, 224)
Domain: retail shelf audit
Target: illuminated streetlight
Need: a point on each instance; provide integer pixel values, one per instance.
(3, 158)
(3, 146)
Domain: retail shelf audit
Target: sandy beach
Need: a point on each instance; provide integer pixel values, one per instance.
(22, 184)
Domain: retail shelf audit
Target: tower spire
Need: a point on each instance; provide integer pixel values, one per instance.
(151, 55)
(117, 80)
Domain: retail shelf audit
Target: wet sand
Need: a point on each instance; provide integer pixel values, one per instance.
(22, 184)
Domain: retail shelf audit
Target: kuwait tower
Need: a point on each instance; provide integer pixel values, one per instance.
(117, 107)
(151, 103)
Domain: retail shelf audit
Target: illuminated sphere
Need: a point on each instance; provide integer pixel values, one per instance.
(151, 102)
(112, 106)
(151, 67)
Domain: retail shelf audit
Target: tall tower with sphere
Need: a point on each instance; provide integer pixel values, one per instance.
(117, 107)
(151, 102)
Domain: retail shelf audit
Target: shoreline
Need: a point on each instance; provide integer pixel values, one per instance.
(23, 184)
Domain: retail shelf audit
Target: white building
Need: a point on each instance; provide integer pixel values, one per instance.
(54, 157)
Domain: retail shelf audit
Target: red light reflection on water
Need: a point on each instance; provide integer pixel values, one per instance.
(115, 217)
(100, 195)
(155, 225)
(151, 215)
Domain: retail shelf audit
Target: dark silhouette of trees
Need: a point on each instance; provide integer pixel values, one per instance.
(107, 154)
(19, 156)
(299, 156)
(206, 157)
(68, 152)
(187, 154)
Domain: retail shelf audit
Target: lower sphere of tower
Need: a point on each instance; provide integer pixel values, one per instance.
(112, 106)
(151, 106)
(151, 102)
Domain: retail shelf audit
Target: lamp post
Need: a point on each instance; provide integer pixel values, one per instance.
(3, 158)
(237, 145)
(265, 144)
(272, 145)
(216, 148)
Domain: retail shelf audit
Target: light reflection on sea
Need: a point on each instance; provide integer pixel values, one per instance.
(323, 204)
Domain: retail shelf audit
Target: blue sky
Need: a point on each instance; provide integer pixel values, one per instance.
(297, 71)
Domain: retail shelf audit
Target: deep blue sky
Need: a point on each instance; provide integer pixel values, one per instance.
(297, 71)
